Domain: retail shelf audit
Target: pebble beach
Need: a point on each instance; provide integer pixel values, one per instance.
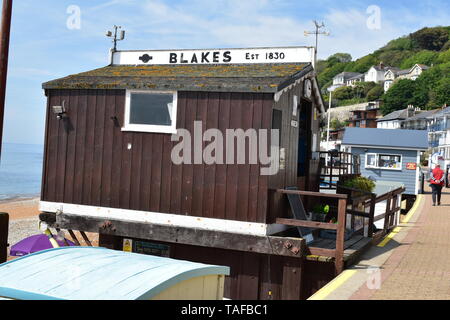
(24, 220)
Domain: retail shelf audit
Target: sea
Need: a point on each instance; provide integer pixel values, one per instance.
(20, 171)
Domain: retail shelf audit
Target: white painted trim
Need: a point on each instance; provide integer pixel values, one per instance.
(382, 147)
(223, 56)
(166, 219)
(150, 128)
(377, 167)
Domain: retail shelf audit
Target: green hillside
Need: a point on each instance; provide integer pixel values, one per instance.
(429, 46)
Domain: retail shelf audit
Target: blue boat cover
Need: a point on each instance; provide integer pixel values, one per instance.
(93, 273)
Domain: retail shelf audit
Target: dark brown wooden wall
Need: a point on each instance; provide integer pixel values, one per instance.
(278, 206)
(87, 160)
(252, 276)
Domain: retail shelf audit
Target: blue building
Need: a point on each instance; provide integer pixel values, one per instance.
(388, 155)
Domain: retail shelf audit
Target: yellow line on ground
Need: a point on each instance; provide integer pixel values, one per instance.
(347, 274)
(410, 214)
(413, 209)
(333, 285)
(389, 237)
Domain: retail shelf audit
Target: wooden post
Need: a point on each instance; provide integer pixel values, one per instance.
(4, 225)
(86, 239)
(371, 215)
(387, 213)
(393, 222)
(4, 52)
(74, 238)
(340, 235)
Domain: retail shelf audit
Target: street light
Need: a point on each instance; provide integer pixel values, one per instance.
(328, 126)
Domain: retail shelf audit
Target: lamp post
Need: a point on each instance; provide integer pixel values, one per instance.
(328, 126)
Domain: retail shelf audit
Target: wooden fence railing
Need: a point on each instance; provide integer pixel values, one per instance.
(338, 252)
(354, 203)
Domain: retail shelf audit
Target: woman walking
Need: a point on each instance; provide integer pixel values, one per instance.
(436, 184)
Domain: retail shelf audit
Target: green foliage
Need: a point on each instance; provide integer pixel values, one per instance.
(443, 57)
(403, 43)
(343, 93)
(338, 58)
(429, 46)
(430, 38)
(321, 208)
(328, 73)
(360, 183)
(440, 94)
(363, 64)
(337, 124)
(446, 46)
(349, 102)
(394, 58)
(430, 87)
(422, 57)
(375, 93)
(399, 96)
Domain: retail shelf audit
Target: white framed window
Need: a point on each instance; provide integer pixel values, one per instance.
(150, 111)
(371, 160)
(383, 161)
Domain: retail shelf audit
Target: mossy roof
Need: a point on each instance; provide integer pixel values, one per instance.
(226, 78)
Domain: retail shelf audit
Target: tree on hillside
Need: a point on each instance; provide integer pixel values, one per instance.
(443, 57)
(403, 43)
(440, 95)
(363, 64)
(422, 57)
(394, 58)
(430, 38)
(375, 93)
(399, 96)
(336, 124)
(328, 74)
(339, 57)
(343, 93)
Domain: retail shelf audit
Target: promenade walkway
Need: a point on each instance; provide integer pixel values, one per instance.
(413, 263)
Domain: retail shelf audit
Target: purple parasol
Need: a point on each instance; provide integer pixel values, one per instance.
(35, 243)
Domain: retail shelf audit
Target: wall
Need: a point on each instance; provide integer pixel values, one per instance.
(252, 276)
(87, 159)
(407, 177)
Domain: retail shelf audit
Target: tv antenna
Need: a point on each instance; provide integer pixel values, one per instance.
(317, 32)
(117, 35)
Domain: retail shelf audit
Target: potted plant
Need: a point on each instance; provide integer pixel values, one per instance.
(320, 212)
(358, 186)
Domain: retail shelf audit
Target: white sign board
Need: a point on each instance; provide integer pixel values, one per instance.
(216, 56)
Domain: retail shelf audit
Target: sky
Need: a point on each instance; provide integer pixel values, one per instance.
(55, 38)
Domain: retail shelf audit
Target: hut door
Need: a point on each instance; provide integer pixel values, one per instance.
(304, 144)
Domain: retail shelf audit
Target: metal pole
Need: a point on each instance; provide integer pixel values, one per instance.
(4, 52)
(328, 126)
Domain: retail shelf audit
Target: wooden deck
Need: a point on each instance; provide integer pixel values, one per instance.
(353, 248)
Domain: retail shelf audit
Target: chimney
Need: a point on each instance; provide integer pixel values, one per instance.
(410, 111)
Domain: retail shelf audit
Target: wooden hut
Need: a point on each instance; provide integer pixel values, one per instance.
(109, 168)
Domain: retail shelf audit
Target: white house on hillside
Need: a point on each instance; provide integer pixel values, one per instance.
(376, 73)
(354, 80)
(340, 80)
(394, 73)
